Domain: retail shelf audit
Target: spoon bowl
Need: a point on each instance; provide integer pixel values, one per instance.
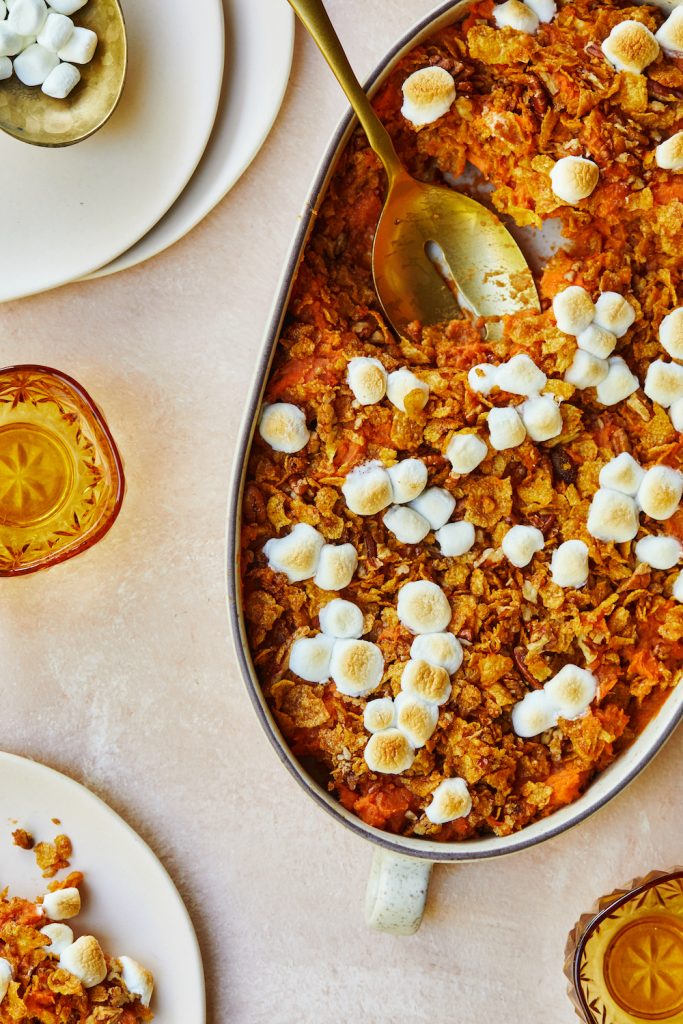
(27, 114)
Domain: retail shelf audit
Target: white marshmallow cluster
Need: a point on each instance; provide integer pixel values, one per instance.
(669, 154)
(371, 487)
(456, 539)
(450, 800)
(303, 555)
(630, 46)
(465, 452)
(518, 376)
(568, 694)
(574, 178)
(670, 35)
(367, 379)
(569, 564)
(283, 427)
(428, 94)
(626, 489)
(60, 936)
(521, 543)
(355, 666)
(62, 904)
(671, 333)
(402, 383)
(539, 416)
(423, 607)
(45, 44)
(664, 383)
(659, 552)
(596, 328)
(85, 960)
(430, 511)
(137, 979)
(517, 15)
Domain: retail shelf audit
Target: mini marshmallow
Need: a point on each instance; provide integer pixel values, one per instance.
(545, 10)
(442, 650)
(62, 81)
(283, 427)
(297, 554)
(310, 658)
(456, 539)
(569, 564)
(34, 64)
(6, 69)
(618, 384)
(506, 429)
(356, 667)
(5, 977)
(613, 516)
(482, 378)
(62, 904)
(137, 979)
(389, 752)
(416, 719)
(533, 715)
(465, 452)
(67, 6)
(677, 591)
(423, 607)
(430, 683)
(541, 417)
(597, 341)
(669, 154)
(572, 690)
(55, 32)
(622, 474)
(521, 543)
(670, 34)
(367, 379)
(11, 42)
(676, 414)
(514, 14)
(85, 960)
(664, 383)
(659, 495)
(60, 936)
(659, 552)
(27, 17)
(401, 384)
(574, 310)
(80, 46)
(408, 480)
(586, 370)
(614, 313)
(342, 620)
(520, 376)
(336, 566)
(379, 714)
(671, 333)
(450, 800)
(574, 178)
(436, 505)
(428, 94)
(630, 46)
(407, 525)
(368, 489)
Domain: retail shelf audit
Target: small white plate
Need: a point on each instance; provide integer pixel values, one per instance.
(259, 48)
(68, 211)
(131, 905)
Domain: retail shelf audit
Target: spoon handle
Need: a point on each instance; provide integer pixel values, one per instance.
(316, 21)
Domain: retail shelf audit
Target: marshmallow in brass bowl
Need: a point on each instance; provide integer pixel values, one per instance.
(27, 113)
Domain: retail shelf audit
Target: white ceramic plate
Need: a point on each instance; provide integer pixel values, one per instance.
(259, 38)
(68, 211)
(131, 904)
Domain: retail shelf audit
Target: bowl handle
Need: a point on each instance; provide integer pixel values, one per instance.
(397, 892)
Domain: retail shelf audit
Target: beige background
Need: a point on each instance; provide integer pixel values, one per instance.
(117, 667)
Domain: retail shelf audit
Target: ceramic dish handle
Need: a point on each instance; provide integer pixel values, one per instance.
(397, 893)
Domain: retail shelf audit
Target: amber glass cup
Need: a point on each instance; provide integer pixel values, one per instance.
(61, 477)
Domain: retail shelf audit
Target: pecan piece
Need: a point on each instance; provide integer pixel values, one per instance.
(563, 464)
(518, 655)
(254, 505)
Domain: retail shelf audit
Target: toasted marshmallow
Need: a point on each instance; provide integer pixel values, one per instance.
(283, 427)
(310, 658)
(456, 538)
(62, 904)
(569, 564)
(465, 452)
(389, 752)
(506, 429)
(515, 14)
(574, 310)
(677, 591)
(428, 682)
(659, 495)
(597, 341)
(356, 667)
(659, 552)
(541, 417)
(423, 607)
(297, 554)
(586, 370)
(342, 620)
(521, 543)
(416, 719)
(670, 35)
(137, 979)
(520, 376)
(534, 714)
(85, 960)
(408, 480)
(402, 383)
(545, 10)
(60, 936)
(613, 516)
(379, 714)
(614, 313)
(336, 566)
(442, 650)
(622, 474)
(407, 525)
(482, 378)
(436, 505)
(630, 46)
(572, 690)
(367, 489)
(671, 333)
(618, 384)
(669, 154)
(574, 178)
(5, 977)
(450, 800)
(428, 94)
(367, 379)
(664, 383)
(676, 414)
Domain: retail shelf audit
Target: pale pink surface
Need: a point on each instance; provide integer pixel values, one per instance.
(118, 667)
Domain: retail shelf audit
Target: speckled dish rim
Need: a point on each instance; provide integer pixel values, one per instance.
(613, 779)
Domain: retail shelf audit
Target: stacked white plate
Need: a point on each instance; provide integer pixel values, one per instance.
(195, 111)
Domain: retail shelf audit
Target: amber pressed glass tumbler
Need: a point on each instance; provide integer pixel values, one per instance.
(61, 477)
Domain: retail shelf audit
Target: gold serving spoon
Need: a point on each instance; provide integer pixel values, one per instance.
(28, 114)
(436, 251)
